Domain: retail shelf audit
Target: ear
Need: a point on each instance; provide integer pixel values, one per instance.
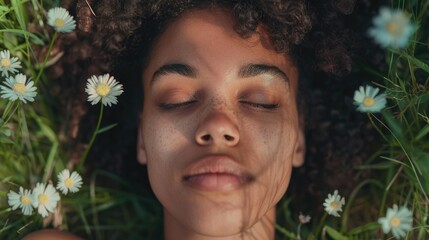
(141, 151)
(299, 155)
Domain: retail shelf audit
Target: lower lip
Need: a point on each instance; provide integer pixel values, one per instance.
(215, 181)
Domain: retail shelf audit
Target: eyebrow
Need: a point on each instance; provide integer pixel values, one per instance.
(177, 68)
(252, 70)
(249, 70)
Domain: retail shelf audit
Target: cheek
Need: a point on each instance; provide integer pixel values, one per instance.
(165, 141)
(277, 154)
(272, 147)
(271, 139)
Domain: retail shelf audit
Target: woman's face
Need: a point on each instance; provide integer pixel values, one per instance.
(219, 130)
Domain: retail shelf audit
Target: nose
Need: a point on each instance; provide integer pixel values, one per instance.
(217, 128)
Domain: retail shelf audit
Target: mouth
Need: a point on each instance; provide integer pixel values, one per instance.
(216, 174)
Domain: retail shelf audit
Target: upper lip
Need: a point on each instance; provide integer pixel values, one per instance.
(216, 164)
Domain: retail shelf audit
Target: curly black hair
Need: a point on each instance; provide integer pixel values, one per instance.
(116, 36)
(123, 26)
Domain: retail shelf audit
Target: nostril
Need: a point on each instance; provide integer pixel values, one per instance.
(206, 137)
(228, 137)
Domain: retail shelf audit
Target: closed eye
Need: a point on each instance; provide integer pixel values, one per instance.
(268, 106)
(172, 106)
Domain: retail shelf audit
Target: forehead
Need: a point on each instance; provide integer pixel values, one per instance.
(205, 38)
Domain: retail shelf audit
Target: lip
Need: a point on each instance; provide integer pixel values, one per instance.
(216, 173)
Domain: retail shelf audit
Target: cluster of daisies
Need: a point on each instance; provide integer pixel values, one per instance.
(397, 220)
(18, 86)
(102, 88)
(392, 28)
(44, 197)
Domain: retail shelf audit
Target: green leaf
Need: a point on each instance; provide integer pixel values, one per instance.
(311, 237)
(422, 132)
(395, 161)
(285, 232)
(381, 166)
(424, 98)
(5, 140)
(6, 110)
(7, 132)
(421, 161)
(107, 128)
(424, 66)
(34, 38)
(4, 9)
(393, 124)
(417, 62)
(45, 129)
(10, 41)
(20, 13)
(365, 228)
(335, 234)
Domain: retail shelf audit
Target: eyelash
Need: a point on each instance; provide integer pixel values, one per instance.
(171, 106)
(266, 106)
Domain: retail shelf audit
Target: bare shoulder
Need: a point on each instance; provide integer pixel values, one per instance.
(49, 234)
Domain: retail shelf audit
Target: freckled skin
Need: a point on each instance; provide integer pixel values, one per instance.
(270, 142)
(267, 142)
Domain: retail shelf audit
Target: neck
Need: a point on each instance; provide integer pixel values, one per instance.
(261, 230)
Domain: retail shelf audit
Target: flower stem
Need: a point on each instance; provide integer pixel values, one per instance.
(322, 222)
(46, 58)
(26, 139)
(85, 154)
(8, 112)
(298, 232)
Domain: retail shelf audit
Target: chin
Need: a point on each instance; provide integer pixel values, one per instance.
(215, 215)
(215, 223)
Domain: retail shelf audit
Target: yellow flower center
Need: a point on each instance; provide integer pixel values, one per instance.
(19, 87)
(368, 102)
(69, 182)
(334, 205)
(25, 200)
(5, 62)
(102, 89)
(59, 22)
(393, 28)
(395, 222)
(43, 199)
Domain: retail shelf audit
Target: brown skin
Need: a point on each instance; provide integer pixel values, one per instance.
(220, 113)
(223, 115)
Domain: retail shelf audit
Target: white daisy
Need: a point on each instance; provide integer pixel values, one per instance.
(334, 203)
(18, 88)
(104, 88)
(45, 198)
(8, 64)
(61, 20)
(367, 100)
(22, 200)
(67, 182)
(398, 221)
(392, 28)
